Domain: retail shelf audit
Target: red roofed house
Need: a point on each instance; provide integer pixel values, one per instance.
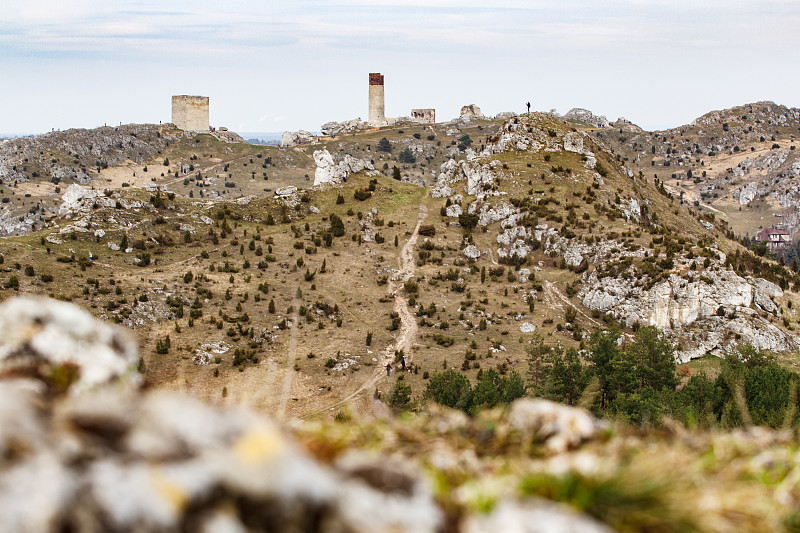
(774, 238)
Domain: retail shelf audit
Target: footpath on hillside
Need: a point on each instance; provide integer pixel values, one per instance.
(408, 324)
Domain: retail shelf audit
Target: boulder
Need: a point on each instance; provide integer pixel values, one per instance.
(471, 112)
(43, 336)
(505, 115)
(471, 252)
(453, 210)
(293, 139)
(573, 142)
(286, 191)
(561, 427)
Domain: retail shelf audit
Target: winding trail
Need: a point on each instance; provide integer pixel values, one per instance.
(557, 299)
(408, 324)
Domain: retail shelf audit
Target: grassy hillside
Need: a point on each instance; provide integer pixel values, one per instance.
(264, 303)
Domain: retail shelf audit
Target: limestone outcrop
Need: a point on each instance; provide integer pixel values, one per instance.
(470, 112)
(708, 313)
(329, 171)
(587, 117)
(331, 129)
(77, 199)
(293, 139)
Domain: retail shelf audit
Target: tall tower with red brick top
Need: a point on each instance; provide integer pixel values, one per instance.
(377, 114)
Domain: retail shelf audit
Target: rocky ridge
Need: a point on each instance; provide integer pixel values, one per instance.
(703, 313)
(707, 309)
(85, 149)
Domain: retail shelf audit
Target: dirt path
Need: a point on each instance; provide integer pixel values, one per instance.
(557, 299)
(408, 324)
(287, 380)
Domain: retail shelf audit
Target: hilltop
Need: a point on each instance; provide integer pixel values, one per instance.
(740, 164)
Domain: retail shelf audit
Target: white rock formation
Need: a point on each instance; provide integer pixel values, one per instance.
(330, 172)
(587, 117)
(286, 191)
(348, 126)
(471, 252)
(453, 210)
(748, 193)
(538, 516)
(293, 139)
(470, 112)
(711, 313)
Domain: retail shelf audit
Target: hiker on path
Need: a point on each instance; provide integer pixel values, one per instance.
(403, 362)
(388, 369)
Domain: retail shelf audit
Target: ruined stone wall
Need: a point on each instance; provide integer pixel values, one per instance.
(377, 113)
(424, 116)
(190, 113)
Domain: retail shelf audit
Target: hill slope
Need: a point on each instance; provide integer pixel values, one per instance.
(297, 302)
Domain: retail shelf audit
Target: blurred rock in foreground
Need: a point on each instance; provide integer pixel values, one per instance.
(82, 448)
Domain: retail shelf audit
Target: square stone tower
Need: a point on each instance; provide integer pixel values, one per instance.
(190, 113)
(377, 114)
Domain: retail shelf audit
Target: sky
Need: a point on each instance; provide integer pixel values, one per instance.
(294, 64)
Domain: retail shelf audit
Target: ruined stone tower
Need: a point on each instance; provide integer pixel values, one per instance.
(190, 113)
(376, 108)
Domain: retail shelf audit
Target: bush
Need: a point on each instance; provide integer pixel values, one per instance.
(162, 346)
(467, 220)
(400, 396)
(361, 195)
(449, 388)
(384, 145)
(406, 156)
(427, 230)
(443, 340)
(337, 226)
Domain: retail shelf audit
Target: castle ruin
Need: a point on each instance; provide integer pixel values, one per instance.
(424, 116)
(190, 113)
(377, 115)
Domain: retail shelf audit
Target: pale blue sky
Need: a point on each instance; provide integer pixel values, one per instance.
(271, 66)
